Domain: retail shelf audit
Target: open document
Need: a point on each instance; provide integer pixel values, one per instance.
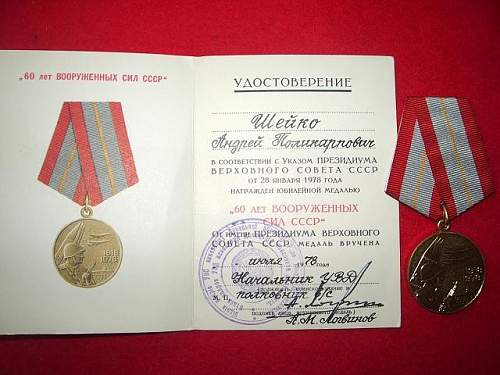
(160, 193)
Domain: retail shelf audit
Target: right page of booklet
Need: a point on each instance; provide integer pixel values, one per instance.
(293, 229)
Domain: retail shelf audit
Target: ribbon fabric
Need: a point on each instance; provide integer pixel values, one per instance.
(89, 154)
(439, 157)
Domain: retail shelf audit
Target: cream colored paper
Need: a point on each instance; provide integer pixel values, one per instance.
(349, 226)
(167, 220)
(151, 290)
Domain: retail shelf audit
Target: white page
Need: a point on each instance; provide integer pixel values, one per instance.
(341, 220)
(152, 289)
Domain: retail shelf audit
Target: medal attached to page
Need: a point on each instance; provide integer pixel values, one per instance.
(440, 169)
(89, 160)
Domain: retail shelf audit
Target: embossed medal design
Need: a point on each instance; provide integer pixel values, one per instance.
(87, 252)
(440, 169)
(446, 271)
(89, 160)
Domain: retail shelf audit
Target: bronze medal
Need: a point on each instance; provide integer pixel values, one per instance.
(89, 160)
(87, 252)
(441, 161)
(446, 271)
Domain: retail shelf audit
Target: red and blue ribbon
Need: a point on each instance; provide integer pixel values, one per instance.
(89, 154)
(439, 158)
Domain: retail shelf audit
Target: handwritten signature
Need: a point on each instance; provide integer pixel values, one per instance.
(324, 297)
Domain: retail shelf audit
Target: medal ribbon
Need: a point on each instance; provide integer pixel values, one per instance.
(439, 158)
(89, 154)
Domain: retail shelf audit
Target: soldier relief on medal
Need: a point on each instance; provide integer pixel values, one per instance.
(87, 253)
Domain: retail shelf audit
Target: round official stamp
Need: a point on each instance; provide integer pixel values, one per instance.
(250, 270)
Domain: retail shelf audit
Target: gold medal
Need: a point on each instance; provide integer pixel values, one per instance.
(446, 271)
(89, 160)
(440, 160)
(87, 252)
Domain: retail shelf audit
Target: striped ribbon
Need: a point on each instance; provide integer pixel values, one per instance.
(89, 154)
(439, 158)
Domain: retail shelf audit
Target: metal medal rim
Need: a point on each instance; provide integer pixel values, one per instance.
(88, 218)
(408, 275)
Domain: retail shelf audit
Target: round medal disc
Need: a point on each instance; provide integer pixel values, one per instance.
(446, 272)
(87, 253)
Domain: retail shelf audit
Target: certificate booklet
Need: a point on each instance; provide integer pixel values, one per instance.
(159, 193)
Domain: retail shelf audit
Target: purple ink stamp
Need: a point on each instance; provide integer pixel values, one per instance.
(250, 270)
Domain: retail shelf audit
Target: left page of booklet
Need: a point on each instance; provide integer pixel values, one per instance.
(112, 133)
